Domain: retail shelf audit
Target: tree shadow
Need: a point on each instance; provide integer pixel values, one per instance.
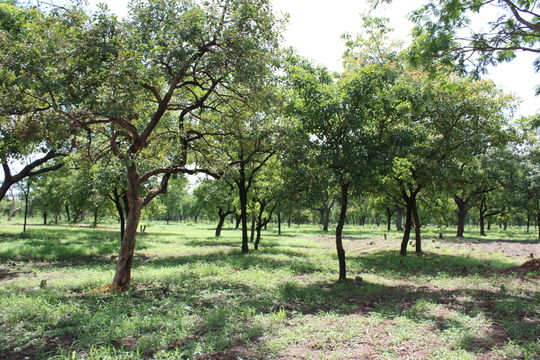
(60, 244)
(390, 263)
(224, 309)
(236, 243)
(239, 261)
(481, 240)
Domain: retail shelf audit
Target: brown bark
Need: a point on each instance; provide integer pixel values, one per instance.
(325, 216)
(238, 219)
(243, 194)
(122, 277)
(222, 216)
(29, 170)
(257, 237)
(407, 231)
(417, 225)
(220, 225)
(252, 234)
(462, 206)
(117, 200)
(411, 216)
(262, 222)
(339, 231)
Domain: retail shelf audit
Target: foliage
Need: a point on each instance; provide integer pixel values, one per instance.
(446, 29)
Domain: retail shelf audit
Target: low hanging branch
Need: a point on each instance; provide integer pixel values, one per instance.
(32, 169)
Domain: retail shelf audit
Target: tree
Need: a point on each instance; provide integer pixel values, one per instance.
(442, 31)
(216, 198)
(452, 119)
(31, 131)
(347, 121)
(308, 183)
(265, 196)
(144, 88)
(174, 198)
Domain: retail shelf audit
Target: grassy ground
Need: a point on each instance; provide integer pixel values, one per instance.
(197, 297)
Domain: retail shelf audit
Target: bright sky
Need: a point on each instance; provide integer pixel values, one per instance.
(315, 28)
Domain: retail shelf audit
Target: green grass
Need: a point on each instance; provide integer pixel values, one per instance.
(197, 297)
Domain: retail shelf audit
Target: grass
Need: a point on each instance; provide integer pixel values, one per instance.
(197, 297)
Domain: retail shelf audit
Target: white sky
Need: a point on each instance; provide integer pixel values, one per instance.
(315, 28)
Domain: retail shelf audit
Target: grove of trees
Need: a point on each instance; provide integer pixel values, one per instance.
(106, 118)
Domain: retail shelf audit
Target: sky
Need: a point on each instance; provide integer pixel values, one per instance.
(315, 28)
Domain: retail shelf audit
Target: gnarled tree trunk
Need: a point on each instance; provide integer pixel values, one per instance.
(122, 277)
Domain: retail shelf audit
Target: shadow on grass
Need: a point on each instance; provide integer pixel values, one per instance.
(221, 314)
(236, 243)
(60, 244)
(481, 240)
(238, 261)
(390, 263)
(193, 313)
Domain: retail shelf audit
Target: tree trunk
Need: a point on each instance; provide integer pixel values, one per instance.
(258, 236)
(408, 227)
(117, 200)
(279, 223)
(289, 222)
(122, 277)
(252, 235)
(45, 218)
(482, 231)
(482, 211)
(339, 231)
(399, 219)
(238, 219)
(417, 225)
(243, 208)
(222, 217)
(95, 217)
(5, 187)
(538, 222)
(528, 220)
(461, 214)
(325, 212)
(67, 213)
(388, 219)
(26, 195)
